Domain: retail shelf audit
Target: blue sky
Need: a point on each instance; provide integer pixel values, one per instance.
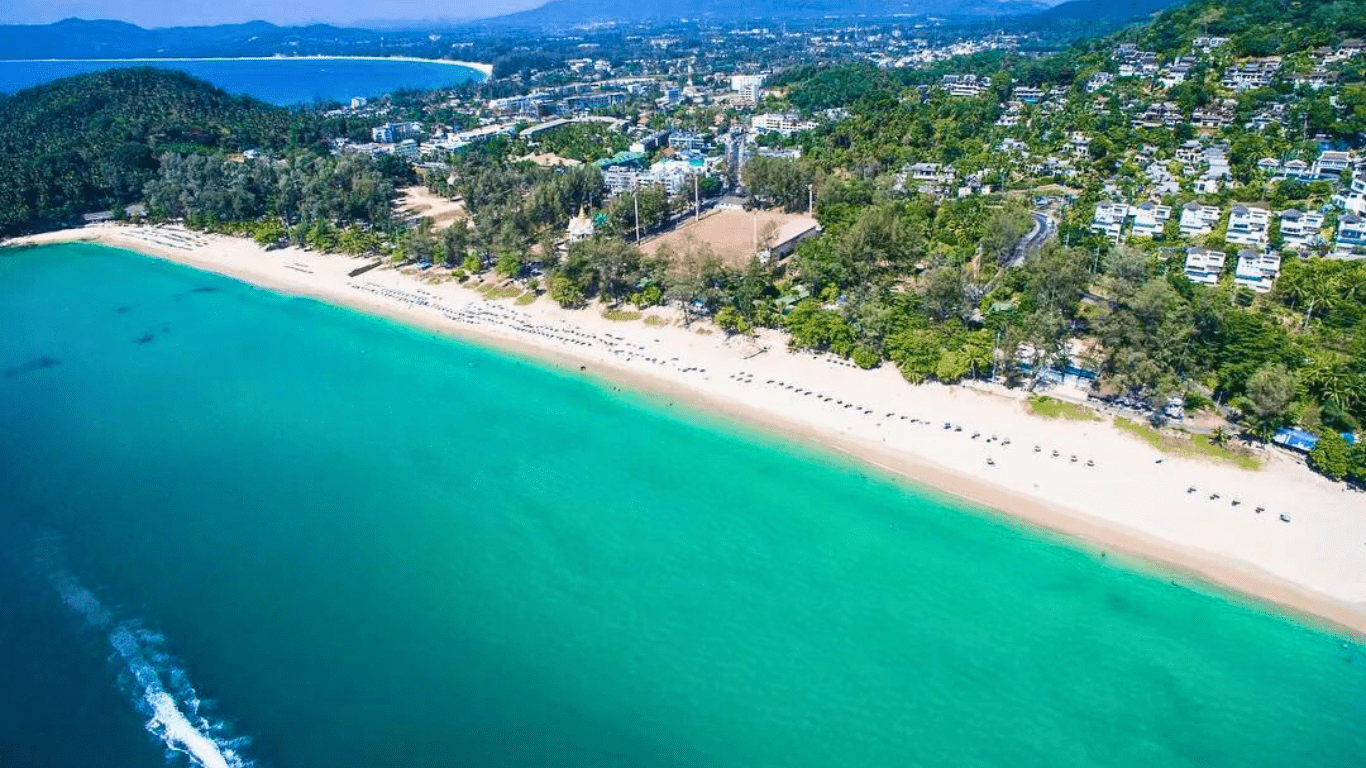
(174, 13)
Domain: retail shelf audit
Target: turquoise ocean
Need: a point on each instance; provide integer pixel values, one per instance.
(286, 82)
(264, 531)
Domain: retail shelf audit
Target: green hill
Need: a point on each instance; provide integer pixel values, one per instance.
(1257, 27)
(89, 142)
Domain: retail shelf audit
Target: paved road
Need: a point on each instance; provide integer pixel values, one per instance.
(1044, 228)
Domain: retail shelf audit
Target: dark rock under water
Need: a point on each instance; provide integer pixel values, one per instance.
(36, 364)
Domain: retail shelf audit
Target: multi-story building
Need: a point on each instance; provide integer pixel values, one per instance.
(1176, 72)
(964, 85)
(1199, 219)
(1027, 94)
(392, 133)
(687, 142)
(1207, 44)
(932, 172)
(1159, 114)
(1351, 242)
(1099, 80)
(1150, 219)
(1248, 225)
(620, 178)
(1300, 229)
(1353, 199)
(1204, 265)
(1109, 220)
(1257, 269)
(744, 83)
(1333, 163)
(1259, 73)
(784, 123)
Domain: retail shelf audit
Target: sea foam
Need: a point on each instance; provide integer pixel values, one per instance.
(157, 684)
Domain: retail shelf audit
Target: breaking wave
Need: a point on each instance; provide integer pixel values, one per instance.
(157, 684)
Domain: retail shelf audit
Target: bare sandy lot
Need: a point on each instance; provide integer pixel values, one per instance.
(420, 201)
(730, 234)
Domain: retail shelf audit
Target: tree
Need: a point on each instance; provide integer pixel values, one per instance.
(566, 292)
(1001, 234)
(1329, 456)
(731, 321)
(944, 292)
(1270, 390)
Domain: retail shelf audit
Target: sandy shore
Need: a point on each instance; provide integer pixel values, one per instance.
(1312, 561)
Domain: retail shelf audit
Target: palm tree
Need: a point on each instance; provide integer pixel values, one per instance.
(1219, 436)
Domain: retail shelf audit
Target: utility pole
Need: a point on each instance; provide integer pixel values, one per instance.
(810, 199)
(696, 198)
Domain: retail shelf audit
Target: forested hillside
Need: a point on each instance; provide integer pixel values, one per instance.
(1257, 27)
(88, 142)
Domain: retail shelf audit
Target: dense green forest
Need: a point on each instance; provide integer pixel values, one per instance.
(91, 141)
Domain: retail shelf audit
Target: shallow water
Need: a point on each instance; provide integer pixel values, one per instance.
(279, 81)
(338, 542)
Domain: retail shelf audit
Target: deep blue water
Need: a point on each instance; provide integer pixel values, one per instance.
(278, 81)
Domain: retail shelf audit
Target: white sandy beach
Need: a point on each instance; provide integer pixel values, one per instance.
(1128, 502)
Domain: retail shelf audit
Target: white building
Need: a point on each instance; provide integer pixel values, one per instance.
(1257, 269)
(1199, 219)
(1248, 225)
(787, 238)
(1333, 163)
(784, 123)
(391, 133)
(743, 83)
(1099, 80)
(1204, 266)
(1150, 219)
(1300, 229)
(1353, 200)
(620, 178)
(1253, 74)
(1351, 242)
(581, 227)
(964, 85)
(1079, 144)
(931, 172)
(1109, 220)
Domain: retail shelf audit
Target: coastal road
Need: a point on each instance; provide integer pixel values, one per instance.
(1044, 228)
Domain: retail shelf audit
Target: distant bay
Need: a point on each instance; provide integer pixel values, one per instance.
(282, 81)
(326, 540)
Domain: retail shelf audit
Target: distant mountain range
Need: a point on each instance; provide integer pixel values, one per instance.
(77, 38)
(1105, 10)
(570, 12)
(81, 39)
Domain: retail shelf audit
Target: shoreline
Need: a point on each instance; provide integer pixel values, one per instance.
(485, 69)
(1311, 570)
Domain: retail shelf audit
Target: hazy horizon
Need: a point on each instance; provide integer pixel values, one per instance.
(189, 13)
